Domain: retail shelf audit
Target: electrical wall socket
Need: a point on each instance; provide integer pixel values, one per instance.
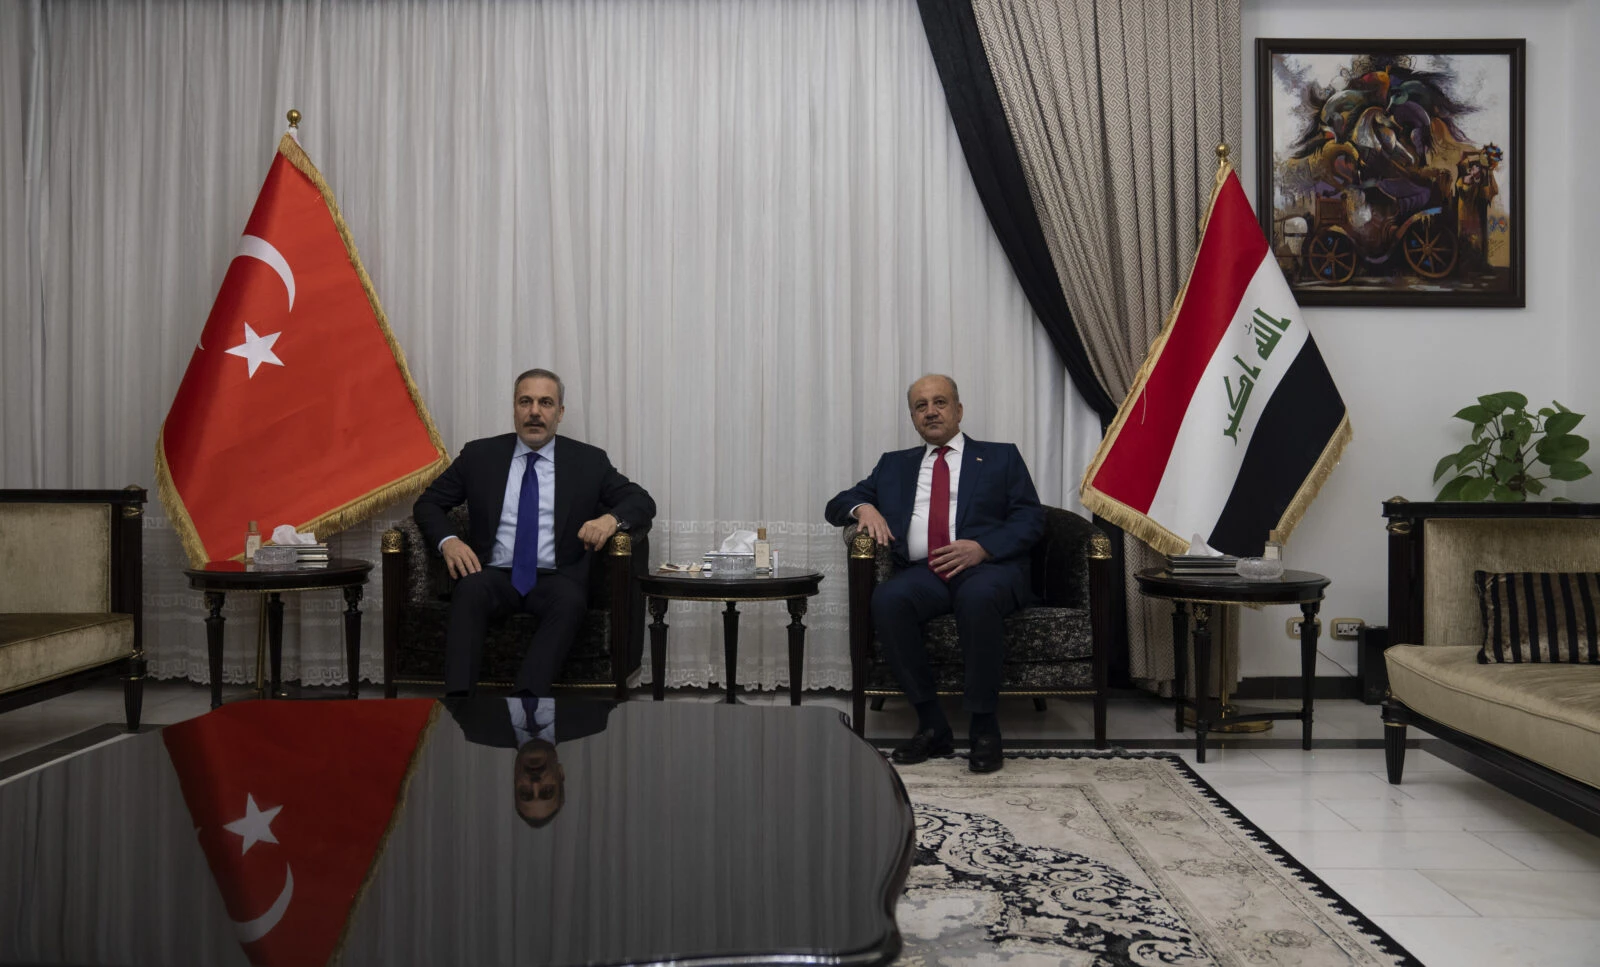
(1294, 627)
(1346, 629)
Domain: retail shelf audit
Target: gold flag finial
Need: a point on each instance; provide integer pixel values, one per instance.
(294, 119)
(1222, 154)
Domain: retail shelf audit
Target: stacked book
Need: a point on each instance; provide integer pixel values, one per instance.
(1202, 565)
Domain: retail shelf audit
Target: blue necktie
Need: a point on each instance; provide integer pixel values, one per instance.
(525, 553)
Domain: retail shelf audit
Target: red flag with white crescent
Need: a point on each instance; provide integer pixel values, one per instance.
(291, 803)
(1233, 421)
(297, 406)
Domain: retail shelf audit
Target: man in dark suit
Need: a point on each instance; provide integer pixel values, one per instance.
(959, 516)
(538, 505)
(534, 727)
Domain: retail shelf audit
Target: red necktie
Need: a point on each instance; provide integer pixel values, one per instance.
(939, 506)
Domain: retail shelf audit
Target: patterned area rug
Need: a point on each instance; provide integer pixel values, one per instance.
(1110, 860)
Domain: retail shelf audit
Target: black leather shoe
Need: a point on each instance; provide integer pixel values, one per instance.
(922, 745)
(986, 755)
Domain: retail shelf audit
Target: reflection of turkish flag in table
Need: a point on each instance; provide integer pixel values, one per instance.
(297, 407)
(291, 802)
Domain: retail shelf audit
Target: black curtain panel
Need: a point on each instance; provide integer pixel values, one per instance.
(991, 153)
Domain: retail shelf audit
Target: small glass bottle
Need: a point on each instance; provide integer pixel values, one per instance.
(763, 552)
(252, 542)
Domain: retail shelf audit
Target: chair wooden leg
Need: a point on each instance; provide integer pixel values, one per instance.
(133, 691)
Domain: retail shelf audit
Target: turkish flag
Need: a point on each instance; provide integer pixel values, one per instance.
(292, 802)
(297, 407)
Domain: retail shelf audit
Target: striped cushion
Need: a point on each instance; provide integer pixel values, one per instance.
(1531, 616)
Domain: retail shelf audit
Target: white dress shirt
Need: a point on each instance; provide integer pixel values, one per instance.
(505, 536)
(917, 534)
(543, 725)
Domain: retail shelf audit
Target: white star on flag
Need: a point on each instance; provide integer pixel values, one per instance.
(256, 826)
(257, 349)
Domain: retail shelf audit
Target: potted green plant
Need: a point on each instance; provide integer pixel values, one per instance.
(1508, 446)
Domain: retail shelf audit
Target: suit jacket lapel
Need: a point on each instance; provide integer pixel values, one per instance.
(563, 502)
(494, 480)
(908, 492)
(971, 474)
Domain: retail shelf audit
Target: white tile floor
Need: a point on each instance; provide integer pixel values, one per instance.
(1453, 868)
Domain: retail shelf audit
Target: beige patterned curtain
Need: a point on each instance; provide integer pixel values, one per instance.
(1117, 107)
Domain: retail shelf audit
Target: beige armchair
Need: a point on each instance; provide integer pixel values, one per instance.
(71, 581)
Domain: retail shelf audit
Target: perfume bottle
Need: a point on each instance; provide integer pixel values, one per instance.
(763, 552)
(252, 542)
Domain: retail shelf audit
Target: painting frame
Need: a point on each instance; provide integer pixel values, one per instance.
(1391, 181)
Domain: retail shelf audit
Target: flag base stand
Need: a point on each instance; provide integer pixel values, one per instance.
(1223, 725)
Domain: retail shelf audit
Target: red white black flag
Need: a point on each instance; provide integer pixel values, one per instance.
(1233, 422)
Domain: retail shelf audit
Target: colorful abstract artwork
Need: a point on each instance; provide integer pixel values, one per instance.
(1390, 172)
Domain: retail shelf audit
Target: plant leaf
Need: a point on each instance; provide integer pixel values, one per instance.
(1452, 490)
(1476, 414)
(1514, 400)
(1546, 411)
(1560, 423)
(1505, 494)
(1477, 488)
(1493, 401)
(1504, 470)
(1568, 470)
(1533, 486)
(1562, 448)
(1522, 433)
(1448, 463)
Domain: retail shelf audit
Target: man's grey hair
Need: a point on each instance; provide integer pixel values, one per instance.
(561, 388)
(955, 392)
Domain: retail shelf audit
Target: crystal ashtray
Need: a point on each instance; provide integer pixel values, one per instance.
(1259, 568)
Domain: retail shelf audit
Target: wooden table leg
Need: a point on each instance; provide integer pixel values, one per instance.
(275, 641)
(730, 648)
(214, 622)
(797, 647)
(658, 648)
(1202, 679)
(1308, 666)
(1180, 660)
(352, 636)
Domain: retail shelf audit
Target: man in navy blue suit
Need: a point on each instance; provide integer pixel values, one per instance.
(959, 516)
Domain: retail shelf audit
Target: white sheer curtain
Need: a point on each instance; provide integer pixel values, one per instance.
(738, 229)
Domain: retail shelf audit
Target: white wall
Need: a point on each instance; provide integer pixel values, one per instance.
(1402, 372)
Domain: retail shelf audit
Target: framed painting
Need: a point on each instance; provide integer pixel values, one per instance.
(1391, 171)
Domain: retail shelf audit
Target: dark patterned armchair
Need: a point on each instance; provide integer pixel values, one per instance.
(416, 600)
(1056, 648)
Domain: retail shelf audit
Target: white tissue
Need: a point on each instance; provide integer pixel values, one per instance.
(1199, 548)
(739, 542)
(285, 534)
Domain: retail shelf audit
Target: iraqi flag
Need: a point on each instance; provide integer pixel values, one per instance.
(1233, 422)
(292, 803)
(297, 407)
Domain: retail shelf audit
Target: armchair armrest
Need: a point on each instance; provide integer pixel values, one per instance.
(862, 575)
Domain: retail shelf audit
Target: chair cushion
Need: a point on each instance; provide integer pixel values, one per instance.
(1046, 648)
(35, 648)
(1549, 714)
(1538, 617)
(420, 654)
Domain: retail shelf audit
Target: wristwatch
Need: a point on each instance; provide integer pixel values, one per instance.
(622, 525)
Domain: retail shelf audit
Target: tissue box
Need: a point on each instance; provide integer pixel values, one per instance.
(727, 562)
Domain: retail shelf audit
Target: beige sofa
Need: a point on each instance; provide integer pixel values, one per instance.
(70, 590)
(1538, 722)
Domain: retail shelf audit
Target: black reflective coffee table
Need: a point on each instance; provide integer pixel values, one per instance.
(686, 833)
(792, 585)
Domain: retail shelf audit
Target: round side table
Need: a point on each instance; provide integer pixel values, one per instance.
(1188, 592)
(217, 578)
(789, 584)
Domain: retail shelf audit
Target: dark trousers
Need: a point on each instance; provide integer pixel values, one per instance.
(487, 596)
(980, 596)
